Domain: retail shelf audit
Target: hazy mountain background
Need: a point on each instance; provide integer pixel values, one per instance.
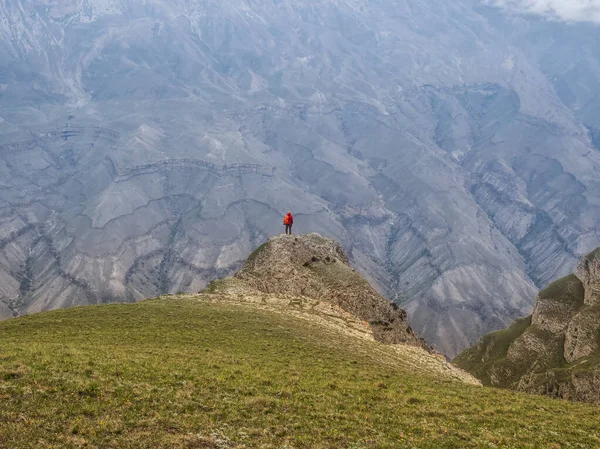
(147, 146)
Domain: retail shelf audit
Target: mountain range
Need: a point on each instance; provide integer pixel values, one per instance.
(148, 146)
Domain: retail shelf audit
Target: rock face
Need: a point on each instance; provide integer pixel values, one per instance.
(588, 272)
(556, 351)
(146, 147)
(315, 267)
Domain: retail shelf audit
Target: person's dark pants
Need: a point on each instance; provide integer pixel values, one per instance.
(288, 229)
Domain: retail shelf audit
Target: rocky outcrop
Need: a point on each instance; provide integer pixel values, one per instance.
(588, 272)
(582, 337)
(316, 267)
(583, 334)
(556, 351)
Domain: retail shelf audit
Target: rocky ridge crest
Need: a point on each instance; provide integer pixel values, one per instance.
(313, 267)
(310, 277)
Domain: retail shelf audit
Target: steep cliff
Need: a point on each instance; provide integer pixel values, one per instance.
(556, 351)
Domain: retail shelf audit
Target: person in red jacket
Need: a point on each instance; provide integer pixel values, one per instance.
(288, 221)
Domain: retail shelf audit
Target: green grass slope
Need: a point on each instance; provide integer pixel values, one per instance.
(491, 351)
(568, 290)
(182, 372)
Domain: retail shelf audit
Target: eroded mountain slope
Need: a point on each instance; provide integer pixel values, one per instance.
(147, 147)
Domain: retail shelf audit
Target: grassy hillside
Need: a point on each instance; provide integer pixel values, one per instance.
(567, 290)
(491, 351)
(182, 372)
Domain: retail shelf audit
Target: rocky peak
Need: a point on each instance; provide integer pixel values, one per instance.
(588, 272)
(316, 267)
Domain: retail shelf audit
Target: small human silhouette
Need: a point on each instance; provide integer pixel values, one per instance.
(288, 222)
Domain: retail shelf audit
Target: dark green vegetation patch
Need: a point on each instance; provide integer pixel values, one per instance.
(568, 290)
(180, 373)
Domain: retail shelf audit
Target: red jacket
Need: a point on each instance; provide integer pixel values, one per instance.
(288, 219)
